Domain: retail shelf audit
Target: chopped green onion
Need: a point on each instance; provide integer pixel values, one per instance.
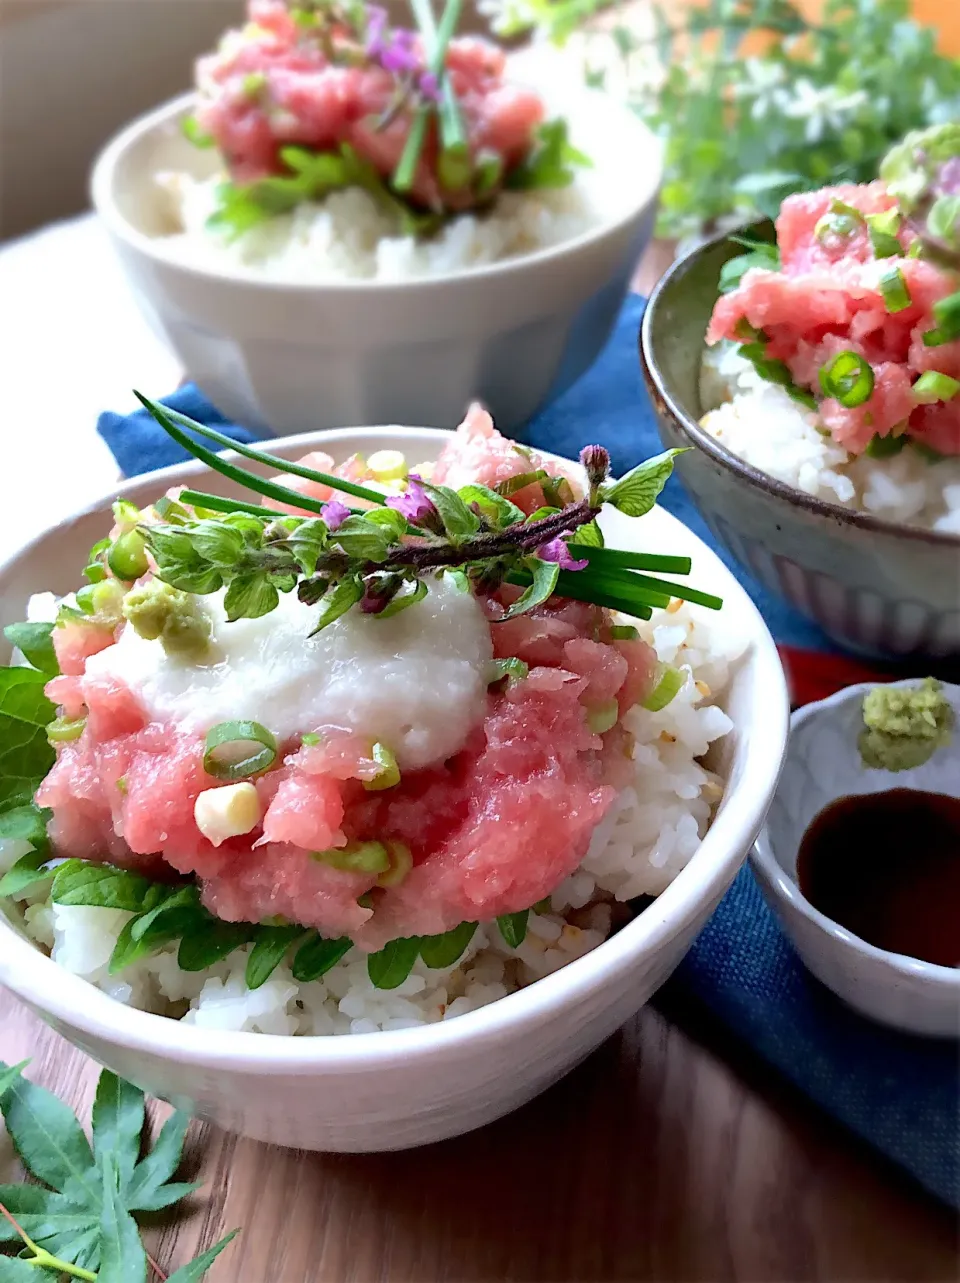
(623, 632)
(310, 740)
(193, 132)
(84, 598)
(602, 717)
(388, 776)
(65, 729)
(882, 229)
(670, 684)
(841, 220)
(931, 387)
(946, 312)
(401, 862)
(227, 750)
(848, 378)
(893, 287)
(357, 857)
(515, 670)
(127, 557)
(885, 447)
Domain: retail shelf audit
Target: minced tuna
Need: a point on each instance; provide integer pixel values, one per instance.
(502, 779)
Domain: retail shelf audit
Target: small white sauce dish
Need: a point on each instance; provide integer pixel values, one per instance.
(296, 356)
(823, 764)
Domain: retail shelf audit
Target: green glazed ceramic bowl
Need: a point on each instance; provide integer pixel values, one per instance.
(874, 586)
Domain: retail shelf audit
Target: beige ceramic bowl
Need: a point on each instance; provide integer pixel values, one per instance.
(874, 586)
(293, 357)
(412, 1086)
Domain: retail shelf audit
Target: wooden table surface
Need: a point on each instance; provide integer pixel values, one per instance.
(671, 1154)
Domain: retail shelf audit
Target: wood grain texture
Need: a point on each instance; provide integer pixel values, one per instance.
(653, 1161)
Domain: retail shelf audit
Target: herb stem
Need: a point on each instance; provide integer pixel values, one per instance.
(43, 1259)
(216, 503)
(604, 557)
(452, 133)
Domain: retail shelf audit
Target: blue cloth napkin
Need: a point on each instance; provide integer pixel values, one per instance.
(900, 1094)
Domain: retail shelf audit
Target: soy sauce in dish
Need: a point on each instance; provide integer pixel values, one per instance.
(887, 867)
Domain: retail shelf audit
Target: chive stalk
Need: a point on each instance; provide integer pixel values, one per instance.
(453, 139)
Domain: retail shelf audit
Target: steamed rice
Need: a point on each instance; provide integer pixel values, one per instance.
(649, 835)
(759, 423)
(349, 236)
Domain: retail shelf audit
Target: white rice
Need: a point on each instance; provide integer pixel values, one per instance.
(758, 422)
(650, 834)
(348, 236)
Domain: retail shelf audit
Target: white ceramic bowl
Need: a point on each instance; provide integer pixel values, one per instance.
(296, 357)
(822, 765)
(392, 1090)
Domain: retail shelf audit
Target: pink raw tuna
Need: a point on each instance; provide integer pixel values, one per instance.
(827, 299)
(480, 453)
(302, 98)
(75, 642)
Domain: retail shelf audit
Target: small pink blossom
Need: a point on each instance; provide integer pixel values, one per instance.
(335, 514)
(557, 550)
(414, 504)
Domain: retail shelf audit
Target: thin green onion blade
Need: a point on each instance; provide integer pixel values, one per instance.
(225, 743)
(630, 581)
(271, 460)
(247, 479)
(848, 378)
(631, 560)
(406, 168)
(217, 503)
(893, 287)
(932, 386)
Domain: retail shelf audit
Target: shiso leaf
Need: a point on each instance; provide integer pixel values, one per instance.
(394, 962)
(513, 927)
(25, 754)
(316, 956)
(211, 940)
(552, 161)
(99, 885)
(440, 952)
(459, 521)
(34, 641)
(268, 952)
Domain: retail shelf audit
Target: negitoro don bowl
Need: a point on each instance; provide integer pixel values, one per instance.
(875, 586)
(396, 1089)
(295, 356)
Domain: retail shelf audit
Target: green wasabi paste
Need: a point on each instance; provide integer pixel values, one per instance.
(903, 726)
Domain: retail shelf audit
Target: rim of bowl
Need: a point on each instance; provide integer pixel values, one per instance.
(704, 441)
(101, 193)
(35, 978)
(788, 889)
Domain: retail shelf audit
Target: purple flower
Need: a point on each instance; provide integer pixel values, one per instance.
(429, 86)
(378, 592)
(376, 29)
(415, 504)
(335, 513)
(948, 181)
(557, 550)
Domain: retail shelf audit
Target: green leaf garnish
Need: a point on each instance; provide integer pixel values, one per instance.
(394, 962)
(316, 956)
(636, 492)
(515, 670)
(35, 643)
(78, 1221)
(99, 885)
(552, 162)
(337, 601)
(763, 255)
(440, 952)
(270, 949)
(513, 927)
(544, 576)
(25, 754)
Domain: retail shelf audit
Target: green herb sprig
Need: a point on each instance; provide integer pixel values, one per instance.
(821, 102)
(78, 1220)
(369, 559)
